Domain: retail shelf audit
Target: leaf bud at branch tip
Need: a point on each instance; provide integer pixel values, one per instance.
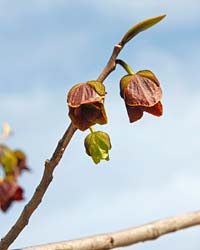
(142, 26)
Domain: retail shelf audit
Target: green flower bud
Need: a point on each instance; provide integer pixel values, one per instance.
(97, 145)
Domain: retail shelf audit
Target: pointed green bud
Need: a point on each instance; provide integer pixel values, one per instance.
(97, 145)
(144, 25)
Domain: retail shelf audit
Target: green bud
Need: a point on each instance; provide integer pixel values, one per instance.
(97, 145)
(144, 25)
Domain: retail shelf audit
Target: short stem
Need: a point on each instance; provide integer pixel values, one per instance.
(125, 66)
(92, 129)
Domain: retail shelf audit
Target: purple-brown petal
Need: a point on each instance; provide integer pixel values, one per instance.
(141, 91)
(83, 94)
(88, 115)
(156, 110)
(134, 113)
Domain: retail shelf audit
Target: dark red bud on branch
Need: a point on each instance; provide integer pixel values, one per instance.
(141, 92)
(86, 104)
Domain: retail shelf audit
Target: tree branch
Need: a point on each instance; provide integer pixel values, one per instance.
(58, 153)
(111, 63)
(126, 237)
(49, 168)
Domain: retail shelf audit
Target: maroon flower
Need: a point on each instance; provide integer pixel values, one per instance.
(141, 92)
(86, 104)
(9, 191)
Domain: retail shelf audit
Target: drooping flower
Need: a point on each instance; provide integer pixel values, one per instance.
(86, 104)
(9, 191)
(141, 92)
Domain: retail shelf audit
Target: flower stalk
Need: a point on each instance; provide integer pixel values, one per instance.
(125, 66)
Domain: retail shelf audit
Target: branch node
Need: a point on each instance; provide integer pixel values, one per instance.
(155, 231)
(47, 163)
(118, 46)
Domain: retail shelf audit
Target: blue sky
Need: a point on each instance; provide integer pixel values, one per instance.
(48, 46)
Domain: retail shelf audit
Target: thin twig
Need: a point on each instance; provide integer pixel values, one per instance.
(111, 63)
(126, 237)
(49, 168)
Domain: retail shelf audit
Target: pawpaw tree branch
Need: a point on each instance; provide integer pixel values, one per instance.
(150, 231)
(51, 164)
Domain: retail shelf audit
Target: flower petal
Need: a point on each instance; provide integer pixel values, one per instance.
(134, 113)
(88, 115)
(82, 94)
(140, 91)
(156, 110)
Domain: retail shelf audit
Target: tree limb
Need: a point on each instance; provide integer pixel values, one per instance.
(49, 168)
(126, 237)
(58, 153)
